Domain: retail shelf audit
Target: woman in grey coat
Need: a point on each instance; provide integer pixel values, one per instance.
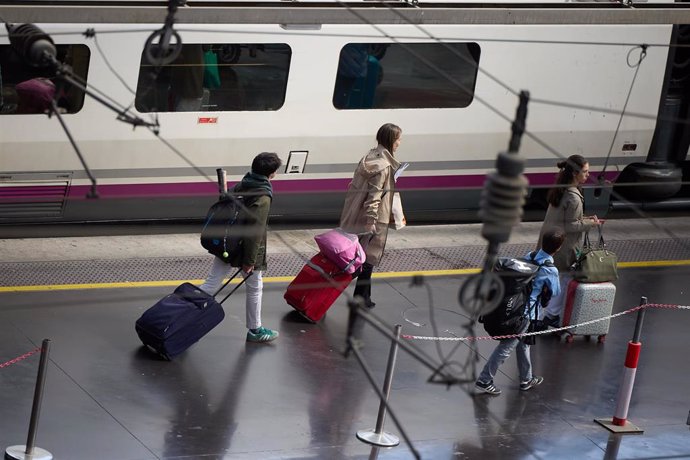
(369, 203)
(566, 210)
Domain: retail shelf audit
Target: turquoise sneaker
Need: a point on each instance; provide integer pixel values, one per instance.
(262, 335)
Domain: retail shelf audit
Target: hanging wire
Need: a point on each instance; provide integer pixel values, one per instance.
(496, 111)
(91, 33)
(441, 40)
(636, 66)
(527, 133)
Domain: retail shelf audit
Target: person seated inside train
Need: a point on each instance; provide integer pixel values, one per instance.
(359, 73)
(187, 79)
(8, 100)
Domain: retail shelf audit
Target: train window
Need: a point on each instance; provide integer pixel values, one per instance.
(216, 77)
(29, 90)
(406, 75)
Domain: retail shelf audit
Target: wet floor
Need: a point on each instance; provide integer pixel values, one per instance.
(108, 398)
(299, 398)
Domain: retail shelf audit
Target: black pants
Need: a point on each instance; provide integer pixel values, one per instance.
(363, 286)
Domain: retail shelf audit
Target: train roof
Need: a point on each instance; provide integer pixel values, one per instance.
(350, 12)
(499, 3)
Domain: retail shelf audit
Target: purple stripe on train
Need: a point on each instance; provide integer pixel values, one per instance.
(301, 186)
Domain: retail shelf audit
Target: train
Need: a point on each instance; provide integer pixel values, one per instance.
(151, 98)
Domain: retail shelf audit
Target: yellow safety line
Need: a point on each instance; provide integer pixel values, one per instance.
(287, 279)
(653, 263)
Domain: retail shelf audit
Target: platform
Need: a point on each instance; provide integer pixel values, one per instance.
(299, 398)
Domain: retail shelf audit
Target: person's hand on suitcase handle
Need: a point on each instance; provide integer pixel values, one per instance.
(247, 268)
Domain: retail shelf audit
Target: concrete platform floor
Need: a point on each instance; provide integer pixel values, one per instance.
(107, 398)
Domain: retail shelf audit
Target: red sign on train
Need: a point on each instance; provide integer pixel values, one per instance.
(207, 120)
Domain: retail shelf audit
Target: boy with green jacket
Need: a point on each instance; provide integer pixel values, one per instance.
(258, 192)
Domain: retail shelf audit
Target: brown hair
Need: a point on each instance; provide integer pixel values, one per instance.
(552, 240)
(568, 170)
(387, 135)
(266, 163)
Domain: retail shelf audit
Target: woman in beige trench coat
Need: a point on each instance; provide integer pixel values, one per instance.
(566, 210)
(369, 203)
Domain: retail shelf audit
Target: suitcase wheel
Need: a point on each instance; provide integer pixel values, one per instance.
(601, 338)
(569, 338)
(309, 320)
(163, 356)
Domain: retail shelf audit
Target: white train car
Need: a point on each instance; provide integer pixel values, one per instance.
(313, 83)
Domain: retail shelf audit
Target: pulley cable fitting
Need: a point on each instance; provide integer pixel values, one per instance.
(501, 207)
(503, 196)
(166, 50)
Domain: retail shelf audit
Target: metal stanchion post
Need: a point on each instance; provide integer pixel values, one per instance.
(377, 436)
(619, 423)
(30, 452)
(612, 447)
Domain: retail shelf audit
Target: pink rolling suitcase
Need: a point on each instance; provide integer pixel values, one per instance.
(585, 302)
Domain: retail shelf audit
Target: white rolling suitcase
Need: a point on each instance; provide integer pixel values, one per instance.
(585, 302)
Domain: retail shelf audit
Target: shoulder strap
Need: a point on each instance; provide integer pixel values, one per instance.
(545, 263)
(535, 306)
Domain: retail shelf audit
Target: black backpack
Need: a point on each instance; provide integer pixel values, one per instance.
(222, 231)
(517, 275)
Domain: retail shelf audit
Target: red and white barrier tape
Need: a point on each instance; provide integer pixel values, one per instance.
(20, 358)
(548, 331)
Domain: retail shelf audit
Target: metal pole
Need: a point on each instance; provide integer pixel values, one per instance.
(638, 323)
(392, 357)
(378, 437)
(418, 354)
(612, 447)
(372, 381)
(30, 452)
(38, 396)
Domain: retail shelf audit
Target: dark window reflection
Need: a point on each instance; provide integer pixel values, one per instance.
(25, 89)
(392, 76)
(216, 77)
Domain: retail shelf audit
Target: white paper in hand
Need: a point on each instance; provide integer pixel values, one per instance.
(400, 170)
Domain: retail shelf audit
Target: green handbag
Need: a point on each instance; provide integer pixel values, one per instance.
(596, 264)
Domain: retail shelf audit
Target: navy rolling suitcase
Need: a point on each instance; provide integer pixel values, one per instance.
(180, 319)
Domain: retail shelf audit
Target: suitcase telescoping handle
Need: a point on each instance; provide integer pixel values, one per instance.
(233, 289)
(222, 181)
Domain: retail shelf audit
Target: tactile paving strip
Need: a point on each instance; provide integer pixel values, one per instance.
(395, 260)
